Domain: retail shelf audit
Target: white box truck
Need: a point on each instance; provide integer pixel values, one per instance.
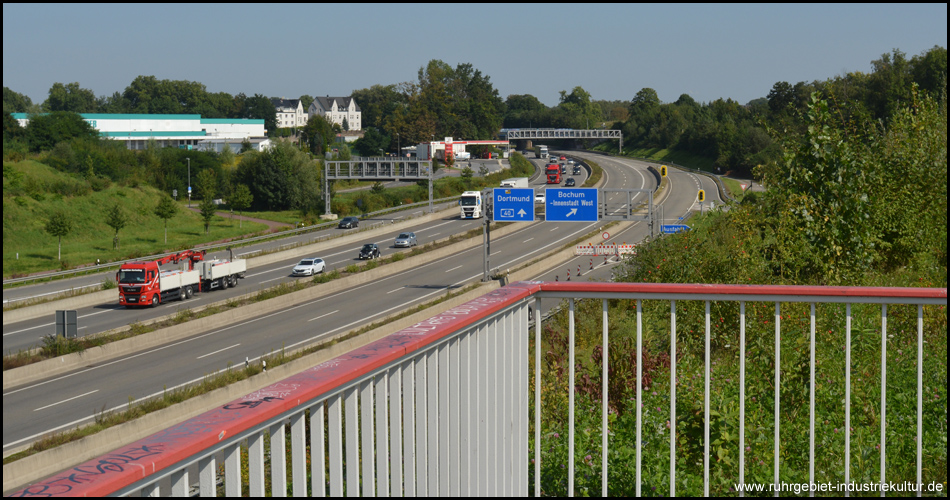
(515, 182)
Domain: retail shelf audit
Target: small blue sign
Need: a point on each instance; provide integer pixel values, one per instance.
(673, 228)
(513, 205)
(570, 205)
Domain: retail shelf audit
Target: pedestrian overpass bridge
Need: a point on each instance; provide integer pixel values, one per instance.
(449, 406)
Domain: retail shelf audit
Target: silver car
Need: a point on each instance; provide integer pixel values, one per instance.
(309, 267)
(405, 240)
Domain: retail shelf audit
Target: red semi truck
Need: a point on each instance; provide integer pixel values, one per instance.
(553, 173)
(146, 284)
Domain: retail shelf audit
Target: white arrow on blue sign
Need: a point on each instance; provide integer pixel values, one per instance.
(570, 204)
(513, 205)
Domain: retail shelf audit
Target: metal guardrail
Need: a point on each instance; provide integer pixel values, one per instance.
(442, 408)
(209, 247)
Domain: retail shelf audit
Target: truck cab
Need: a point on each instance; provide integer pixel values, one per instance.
(470, 205)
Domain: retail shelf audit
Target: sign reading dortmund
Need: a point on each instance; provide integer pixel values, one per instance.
(513, 205)
(570, 204)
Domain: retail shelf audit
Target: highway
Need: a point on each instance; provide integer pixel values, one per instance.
(73, 399)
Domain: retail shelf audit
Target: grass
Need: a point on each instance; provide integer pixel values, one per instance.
(27, 248)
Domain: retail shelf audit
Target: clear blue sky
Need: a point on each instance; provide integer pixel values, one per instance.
(612, 51)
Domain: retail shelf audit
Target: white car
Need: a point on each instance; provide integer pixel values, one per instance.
(539, 198)
(309, 267)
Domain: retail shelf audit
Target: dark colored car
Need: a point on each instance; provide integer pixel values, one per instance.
(369, 251)
(570, 182)
(576, 171)
(349, 222)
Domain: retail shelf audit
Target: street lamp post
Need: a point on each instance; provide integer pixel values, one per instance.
(189, 181)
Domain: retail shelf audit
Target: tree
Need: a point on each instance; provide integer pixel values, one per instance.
(45, 131)
(346, 124)
(14, 102)
(70, 97)
(165, 210)
(241, 199)
(59, 225)
(116, 219)
(207, 186)
(371, 143)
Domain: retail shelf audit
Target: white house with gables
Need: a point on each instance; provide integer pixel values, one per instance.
(290, 113)
(335, 109)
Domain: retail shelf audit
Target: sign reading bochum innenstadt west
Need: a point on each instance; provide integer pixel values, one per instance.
(513, 205)
(570, 205)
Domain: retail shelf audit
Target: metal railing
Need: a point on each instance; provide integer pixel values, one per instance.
(442, 407)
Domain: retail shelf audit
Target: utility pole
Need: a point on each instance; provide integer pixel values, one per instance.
(189, 181)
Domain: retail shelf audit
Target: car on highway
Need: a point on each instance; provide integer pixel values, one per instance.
(309, 267)
(539, 198)
(405, 240)
(570, 162)
(563, 158)
(563, 169)
(369, 251)
(349, 223)
(576, 171)
(570, 182)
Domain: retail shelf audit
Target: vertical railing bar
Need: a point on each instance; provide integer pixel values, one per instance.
(639, 391)
(603, 410)
(381, 400)
(298, 453)
(232, 470)
(421, 445)
(672, 398)
(255, 464)
(433, 461)
(445, 460)
(179, 482)
(524, 399)
(409, 428)
(742, 397)
(153, 490)
(537, 397)
(920, 396)
(504, 457)
(465, 414)
(706, 411)
(883, 388)
(207, 477)
(352, 441)
(335, 442)
(570, 405)
(847, 400)
(778, 394)
(454, 436)
(366, 437)
(318, 466)
(278, 461)
(395, 432)
(480, 442)
(811, 407)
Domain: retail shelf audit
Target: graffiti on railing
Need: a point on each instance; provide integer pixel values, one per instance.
(109, 464)
(247, 405)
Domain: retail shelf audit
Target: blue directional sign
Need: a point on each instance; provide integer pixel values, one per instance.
(570, 205)
(513, 205)
(673, 228)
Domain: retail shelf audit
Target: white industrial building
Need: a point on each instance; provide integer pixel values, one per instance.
(181, 131)
(437, 149)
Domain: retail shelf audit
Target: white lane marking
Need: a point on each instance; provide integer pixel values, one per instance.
(215, 352)
(67, 400)
(49, 324)
(53, 293)
(272, 279)
(527, 240)
(396, 290)
(454, 268)
(436, 234)
(323, 316)
(555, 229)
